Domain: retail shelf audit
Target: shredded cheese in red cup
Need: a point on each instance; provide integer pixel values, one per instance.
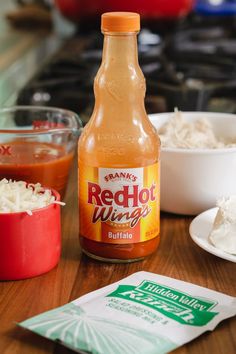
(18, 196)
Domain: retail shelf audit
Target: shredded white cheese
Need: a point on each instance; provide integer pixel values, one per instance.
(20, 196)
(178, 133)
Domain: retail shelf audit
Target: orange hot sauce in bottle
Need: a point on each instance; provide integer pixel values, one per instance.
(118, 154)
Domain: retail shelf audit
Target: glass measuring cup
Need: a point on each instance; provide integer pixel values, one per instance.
(37, 144)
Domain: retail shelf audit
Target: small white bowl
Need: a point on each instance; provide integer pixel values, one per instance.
(193, 179)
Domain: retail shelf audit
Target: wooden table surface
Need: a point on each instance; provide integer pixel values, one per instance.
(76, 275)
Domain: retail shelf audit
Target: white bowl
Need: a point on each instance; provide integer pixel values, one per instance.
(193, 179)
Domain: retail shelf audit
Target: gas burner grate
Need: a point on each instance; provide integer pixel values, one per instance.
(192, 68)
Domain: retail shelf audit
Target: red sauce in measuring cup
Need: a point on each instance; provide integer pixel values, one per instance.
(35, 162)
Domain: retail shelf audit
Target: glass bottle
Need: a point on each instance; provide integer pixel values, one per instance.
(118, 154)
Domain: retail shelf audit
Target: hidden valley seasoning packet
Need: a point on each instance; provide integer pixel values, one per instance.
(144, 313)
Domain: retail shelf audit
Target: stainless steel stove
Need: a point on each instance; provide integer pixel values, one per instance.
(190, 65)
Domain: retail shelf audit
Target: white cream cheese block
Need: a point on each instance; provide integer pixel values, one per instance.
(223, 233)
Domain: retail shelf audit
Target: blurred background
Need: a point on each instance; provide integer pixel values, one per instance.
(51, 51)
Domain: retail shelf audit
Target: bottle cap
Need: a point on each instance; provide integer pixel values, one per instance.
(120, 22)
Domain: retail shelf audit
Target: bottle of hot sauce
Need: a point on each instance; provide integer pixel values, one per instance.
(118, 154)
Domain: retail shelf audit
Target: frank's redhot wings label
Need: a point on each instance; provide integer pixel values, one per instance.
(119, 205)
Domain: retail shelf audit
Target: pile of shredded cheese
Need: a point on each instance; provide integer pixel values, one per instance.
(178, 133)
(20, 196)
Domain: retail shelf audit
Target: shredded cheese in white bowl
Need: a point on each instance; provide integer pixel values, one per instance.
(18, 196)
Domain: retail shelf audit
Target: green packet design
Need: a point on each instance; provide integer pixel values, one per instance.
(144, 313)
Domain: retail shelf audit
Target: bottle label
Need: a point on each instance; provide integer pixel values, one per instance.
(119, 205)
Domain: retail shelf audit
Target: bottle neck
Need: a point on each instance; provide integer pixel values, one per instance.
(120, 49)
(119, 82)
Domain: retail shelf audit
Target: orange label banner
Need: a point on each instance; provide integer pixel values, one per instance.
(119, 205)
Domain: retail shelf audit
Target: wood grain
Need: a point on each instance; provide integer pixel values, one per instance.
(177, 257)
